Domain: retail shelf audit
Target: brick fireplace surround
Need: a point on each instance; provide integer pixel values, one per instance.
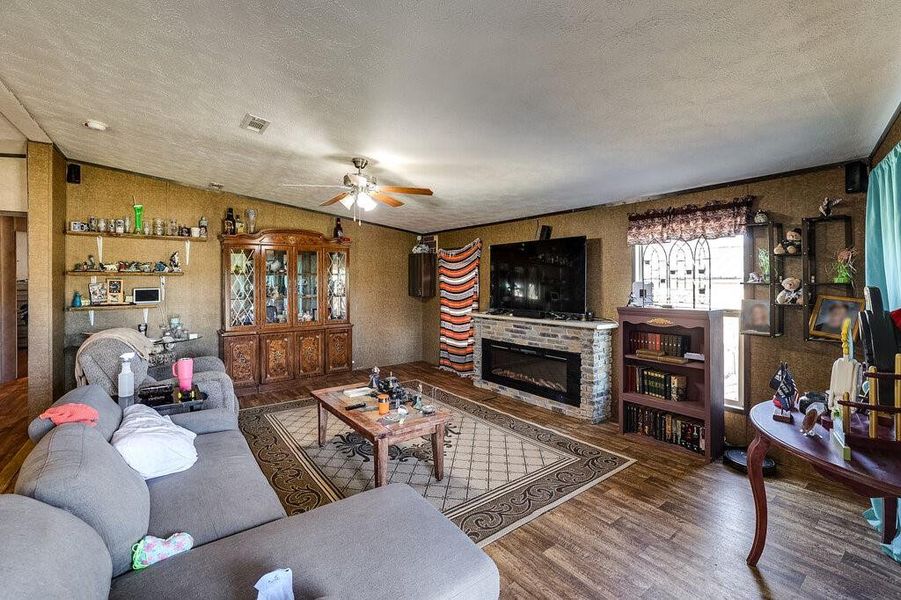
(593, 340)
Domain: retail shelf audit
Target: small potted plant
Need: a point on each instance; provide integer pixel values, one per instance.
(844, 266)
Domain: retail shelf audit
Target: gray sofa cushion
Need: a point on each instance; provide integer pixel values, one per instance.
(48, 553)
(75, 469)
(109, 413)
(223, 493)
(385, 544)
(206, 421)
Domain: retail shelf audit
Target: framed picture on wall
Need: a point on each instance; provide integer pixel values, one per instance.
(115, 294)
(830, 312)
(755, 316)
(97, 293)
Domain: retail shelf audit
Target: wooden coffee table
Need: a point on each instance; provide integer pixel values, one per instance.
(381, 435)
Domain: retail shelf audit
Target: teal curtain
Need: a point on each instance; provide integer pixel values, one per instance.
(883, 250)
(883, 264)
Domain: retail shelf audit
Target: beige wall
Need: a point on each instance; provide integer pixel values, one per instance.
(788, 199)
(46, 260)
(386, 321)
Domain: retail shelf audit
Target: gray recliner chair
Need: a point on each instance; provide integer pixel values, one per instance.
(100, 363)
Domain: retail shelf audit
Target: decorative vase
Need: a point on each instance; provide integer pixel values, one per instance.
(139, 218)
(251, 215)
(76, 300)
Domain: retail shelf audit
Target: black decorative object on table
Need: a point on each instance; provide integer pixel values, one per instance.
(786, 393)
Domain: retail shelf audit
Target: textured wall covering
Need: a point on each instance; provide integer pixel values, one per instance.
(610, 269)
(505, 108)
(46, 260)
(386, 321)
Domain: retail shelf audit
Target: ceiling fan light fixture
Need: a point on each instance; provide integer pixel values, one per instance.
(365, 201)
(347, 201)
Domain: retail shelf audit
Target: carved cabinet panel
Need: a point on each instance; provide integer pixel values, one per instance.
(277, 354)
(338, 350)
(310, 353)
(239, 353)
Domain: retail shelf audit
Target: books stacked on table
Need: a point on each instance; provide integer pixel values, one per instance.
(648, 343)
(665, 427)
(656, 383)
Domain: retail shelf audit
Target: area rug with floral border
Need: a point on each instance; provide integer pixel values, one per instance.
(501, 471)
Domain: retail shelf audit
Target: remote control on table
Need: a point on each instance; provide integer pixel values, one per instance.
(355, 406)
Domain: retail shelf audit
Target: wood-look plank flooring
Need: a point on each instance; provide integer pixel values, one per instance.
(669, 526)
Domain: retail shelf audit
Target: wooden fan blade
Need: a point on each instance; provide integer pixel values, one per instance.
(405, 190)
(313, 185)
(386, 199)
(337, 198)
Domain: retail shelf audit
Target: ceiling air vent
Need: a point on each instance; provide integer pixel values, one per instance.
(254, 123)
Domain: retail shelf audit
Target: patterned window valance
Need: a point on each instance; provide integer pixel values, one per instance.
(690, 222)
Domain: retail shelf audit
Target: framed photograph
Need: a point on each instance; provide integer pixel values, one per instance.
(830, 312)
(755, 316)
(97, 293)
(115, 293)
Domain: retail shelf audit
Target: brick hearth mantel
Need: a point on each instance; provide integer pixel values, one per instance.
(593, 340)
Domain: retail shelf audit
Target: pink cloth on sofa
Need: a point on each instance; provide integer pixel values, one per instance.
(71, 413)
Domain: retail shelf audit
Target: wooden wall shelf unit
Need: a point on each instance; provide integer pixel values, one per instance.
(135, 236)
(125, 306)
(285, 308)
(115, 274)
(653, 414)
(768, 233)
(812, 285)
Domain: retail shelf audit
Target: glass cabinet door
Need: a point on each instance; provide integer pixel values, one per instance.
(307, 286)
(241, 287)
(276, 291)
(337, 285)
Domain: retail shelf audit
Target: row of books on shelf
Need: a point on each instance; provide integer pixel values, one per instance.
(656, 383)
(650, 343)
(665, 427)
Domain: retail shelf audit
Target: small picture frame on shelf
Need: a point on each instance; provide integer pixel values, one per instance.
(755, 316)
(97, 292)
(828, 314)
(115, 293)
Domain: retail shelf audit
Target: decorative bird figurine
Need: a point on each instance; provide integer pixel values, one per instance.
(828, 204)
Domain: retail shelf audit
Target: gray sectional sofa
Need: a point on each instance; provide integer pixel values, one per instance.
(78, 509)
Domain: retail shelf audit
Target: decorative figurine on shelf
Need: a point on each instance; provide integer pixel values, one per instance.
(844, 266)
(791, 245)
(204, 225)
(642, 294)
(420, 247)
(91, 264)
(111, 267)
(786, 393)
(160, 267)
(251, 216)
(77, 301)
(374, 378)
(174, 263)
(761, 217)
(338, 232)
(791, 291)
(828, 204)
(755, 277)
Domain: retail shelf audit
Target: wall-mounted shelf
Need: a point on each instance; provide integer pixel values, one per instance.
(124, 306)
(134, 236)
(770, 234)
(125, 273)
(809, 291)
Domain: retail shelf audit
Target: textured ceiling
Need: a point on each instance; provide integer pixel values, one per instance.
(505, 108)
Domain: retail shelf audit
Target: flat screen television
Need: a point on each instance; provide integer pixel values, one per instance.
(531, 278)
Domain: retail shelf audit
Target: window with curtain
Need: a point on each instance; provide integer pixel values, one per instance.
(694, 257)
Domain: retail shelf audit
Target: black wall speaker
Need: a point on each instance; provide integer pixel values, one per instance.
(73, 173)
(856, 177)
(545, 232)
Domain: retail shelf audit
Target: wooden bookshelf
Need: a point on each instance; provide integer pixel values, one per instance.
(116, 274)
(702, 409)
(136, 236)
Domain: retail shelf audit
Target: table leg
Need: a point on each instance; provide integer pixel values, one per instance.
(381, 462)
(323, 424)
(438, 451)
(889, 519)
(756, 453)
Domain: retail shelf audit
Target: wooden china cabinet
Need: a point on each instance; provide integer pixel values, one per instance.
(285, 307)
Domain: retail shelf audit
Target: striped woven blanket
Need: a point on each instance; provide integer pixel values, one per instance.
(458, 284)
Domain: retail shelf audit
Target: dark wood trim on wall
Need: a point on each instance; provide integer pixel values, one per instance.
(705, 188)
(882, 138)
(8, 341)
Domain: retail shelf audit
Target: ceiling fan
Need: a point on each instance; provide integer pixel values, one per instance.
(362, 191)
